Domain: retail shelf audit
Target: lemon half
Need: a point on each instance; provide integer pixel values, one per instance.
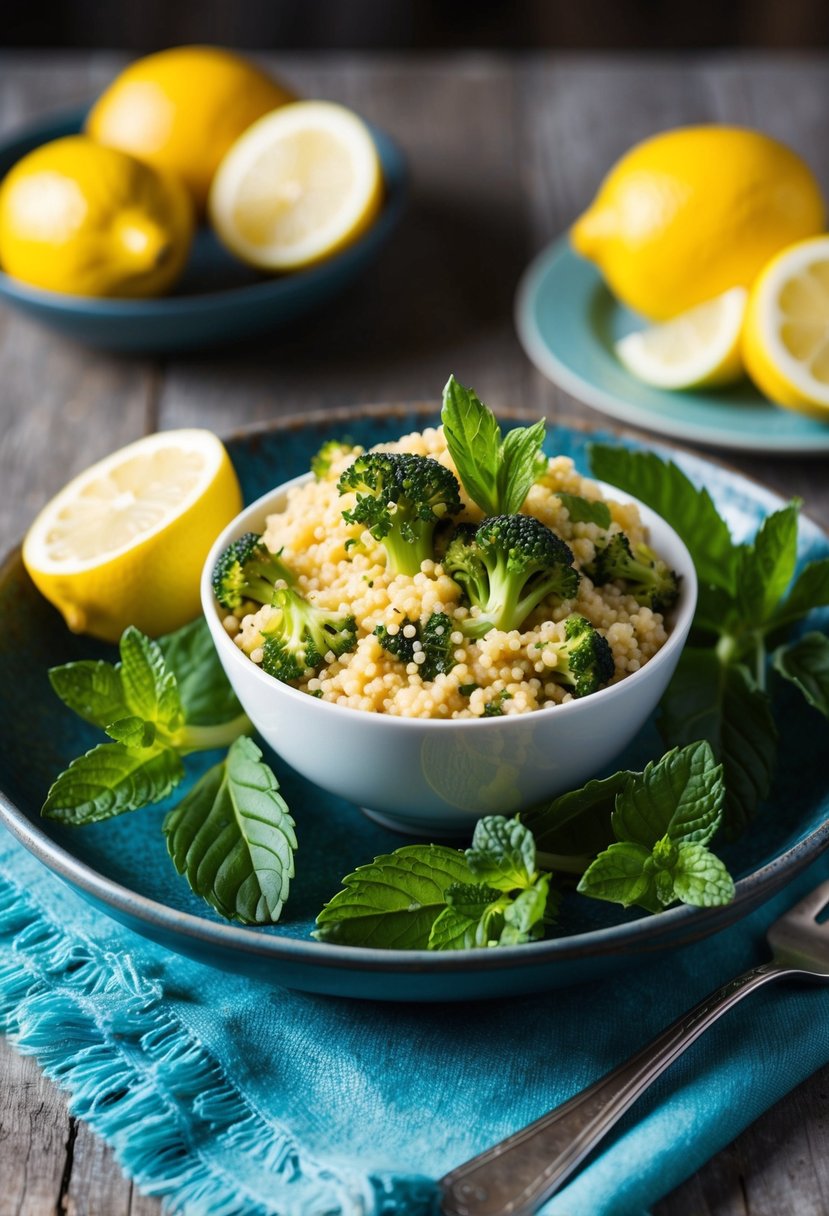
(297, 186)
(699, 349)
(124, 542)
(786, 337)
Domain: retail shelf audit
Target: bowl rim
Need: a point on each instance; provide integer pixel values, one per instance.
(680, 626)
(70, 121)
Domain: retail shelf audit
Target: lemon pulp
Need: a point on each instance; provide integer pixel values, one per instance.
(125, 541)
(300, 184)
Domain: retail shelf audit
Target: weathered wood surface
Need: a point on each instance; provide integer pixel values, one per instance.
(504, 152)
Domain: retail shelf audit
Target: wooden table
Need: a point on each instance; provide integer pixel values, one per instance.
(505, 151)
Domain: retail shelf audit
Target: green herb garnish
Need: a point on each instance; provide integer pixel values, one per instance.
(232, 835)
(496, 471)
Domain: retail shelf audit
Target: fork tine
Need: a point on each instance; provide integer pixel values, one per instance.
(814, 903)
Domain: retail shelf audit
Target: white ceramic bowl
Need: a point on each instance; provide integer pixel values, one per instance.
(435, 777)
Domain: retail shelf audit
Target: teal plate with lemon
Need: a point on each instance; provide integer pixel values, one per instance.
(219, 300)
(568, 322)
(123, 869)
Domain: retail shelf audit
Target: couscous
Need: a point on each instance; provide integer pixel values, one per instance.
(340, 566)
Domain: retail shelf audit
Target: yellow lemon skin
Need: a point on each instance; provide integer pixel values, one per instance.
(767, 365)
(154, 585)
(180, 110)
(690, 213)
(92, 221)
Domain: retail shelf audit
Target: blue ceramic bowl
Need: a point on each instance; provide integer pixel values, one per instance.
(123, 869)
(219, 300)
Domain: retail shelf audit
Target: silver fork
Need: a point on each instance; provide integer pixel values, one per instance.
(516, 1176)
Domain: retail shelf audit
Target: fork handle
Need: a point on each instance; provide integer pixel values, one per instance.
(515, 1177)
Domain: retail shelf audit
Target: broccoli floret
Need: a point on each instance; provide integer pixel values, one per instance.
(462, 562)
(507, 568)
(299, 636)
(585, 660)
(398, 644)
(400, 499)
(330, 451)
(247, 570)
(433, 640)
(650, 581)
(437, 646)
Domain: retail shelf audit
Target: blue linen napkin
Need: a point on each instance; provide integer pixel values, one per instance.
(229, 1096)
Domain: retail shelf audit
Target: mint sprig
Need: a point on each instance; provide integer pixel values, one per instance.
(663, 820)
(496, 471)
(748, 597)
(138, 702)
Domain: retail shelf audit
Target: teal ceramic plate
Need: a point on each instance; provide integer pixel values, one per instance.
(219, 300)
(122, 866)
(567, 321)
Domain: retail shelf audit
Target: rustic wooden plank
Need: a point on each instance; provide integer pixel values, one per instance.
(34, 1132)
(438, 300)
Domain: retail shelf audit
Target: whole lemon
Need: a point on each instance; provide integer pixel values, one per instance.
(181, 109)
(92, 221)
(690, 213)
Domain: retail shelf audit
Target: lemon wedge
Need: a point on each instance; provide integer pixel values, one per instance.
(300, 184)
(698, 349)
(125, 541)
(786, 338)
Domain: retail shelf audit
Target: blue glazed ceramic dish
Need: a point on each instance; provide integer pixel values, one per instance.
(568, 321)
(122, 866)
(219, 300)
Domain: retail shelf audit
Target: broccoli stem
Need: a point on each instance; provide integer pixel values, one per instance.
(204, 738)
(406, 557)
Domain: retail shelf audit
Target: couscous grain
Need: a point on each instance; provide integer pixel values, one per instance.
(341, 567)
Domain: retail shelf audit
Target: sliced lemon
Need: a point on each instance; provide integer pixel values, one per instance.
(125, 541)
(698, 349)
(301, 183)
(786, 337)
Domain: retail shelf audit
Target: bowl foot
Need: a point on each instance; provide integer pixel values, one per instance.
(426, 832)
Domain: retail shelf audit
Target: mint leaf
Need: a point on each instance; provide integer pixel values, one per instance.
(92, 689)
(204, 689)
(233, 837)
(502, 853)
(393, 902)
(577, 822)
(619, 875)
(454, 930)
(473, 438)
(526, 911)
(707, 700)
(766, 567)
(700, 878)
(110, 780)
(679, 797)
(132, 732)
(149, 688)
(806, 664)
(584, 510)
(810, 590)
(518, 460)
(668, 491)
(496, 473)
(471, 899)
